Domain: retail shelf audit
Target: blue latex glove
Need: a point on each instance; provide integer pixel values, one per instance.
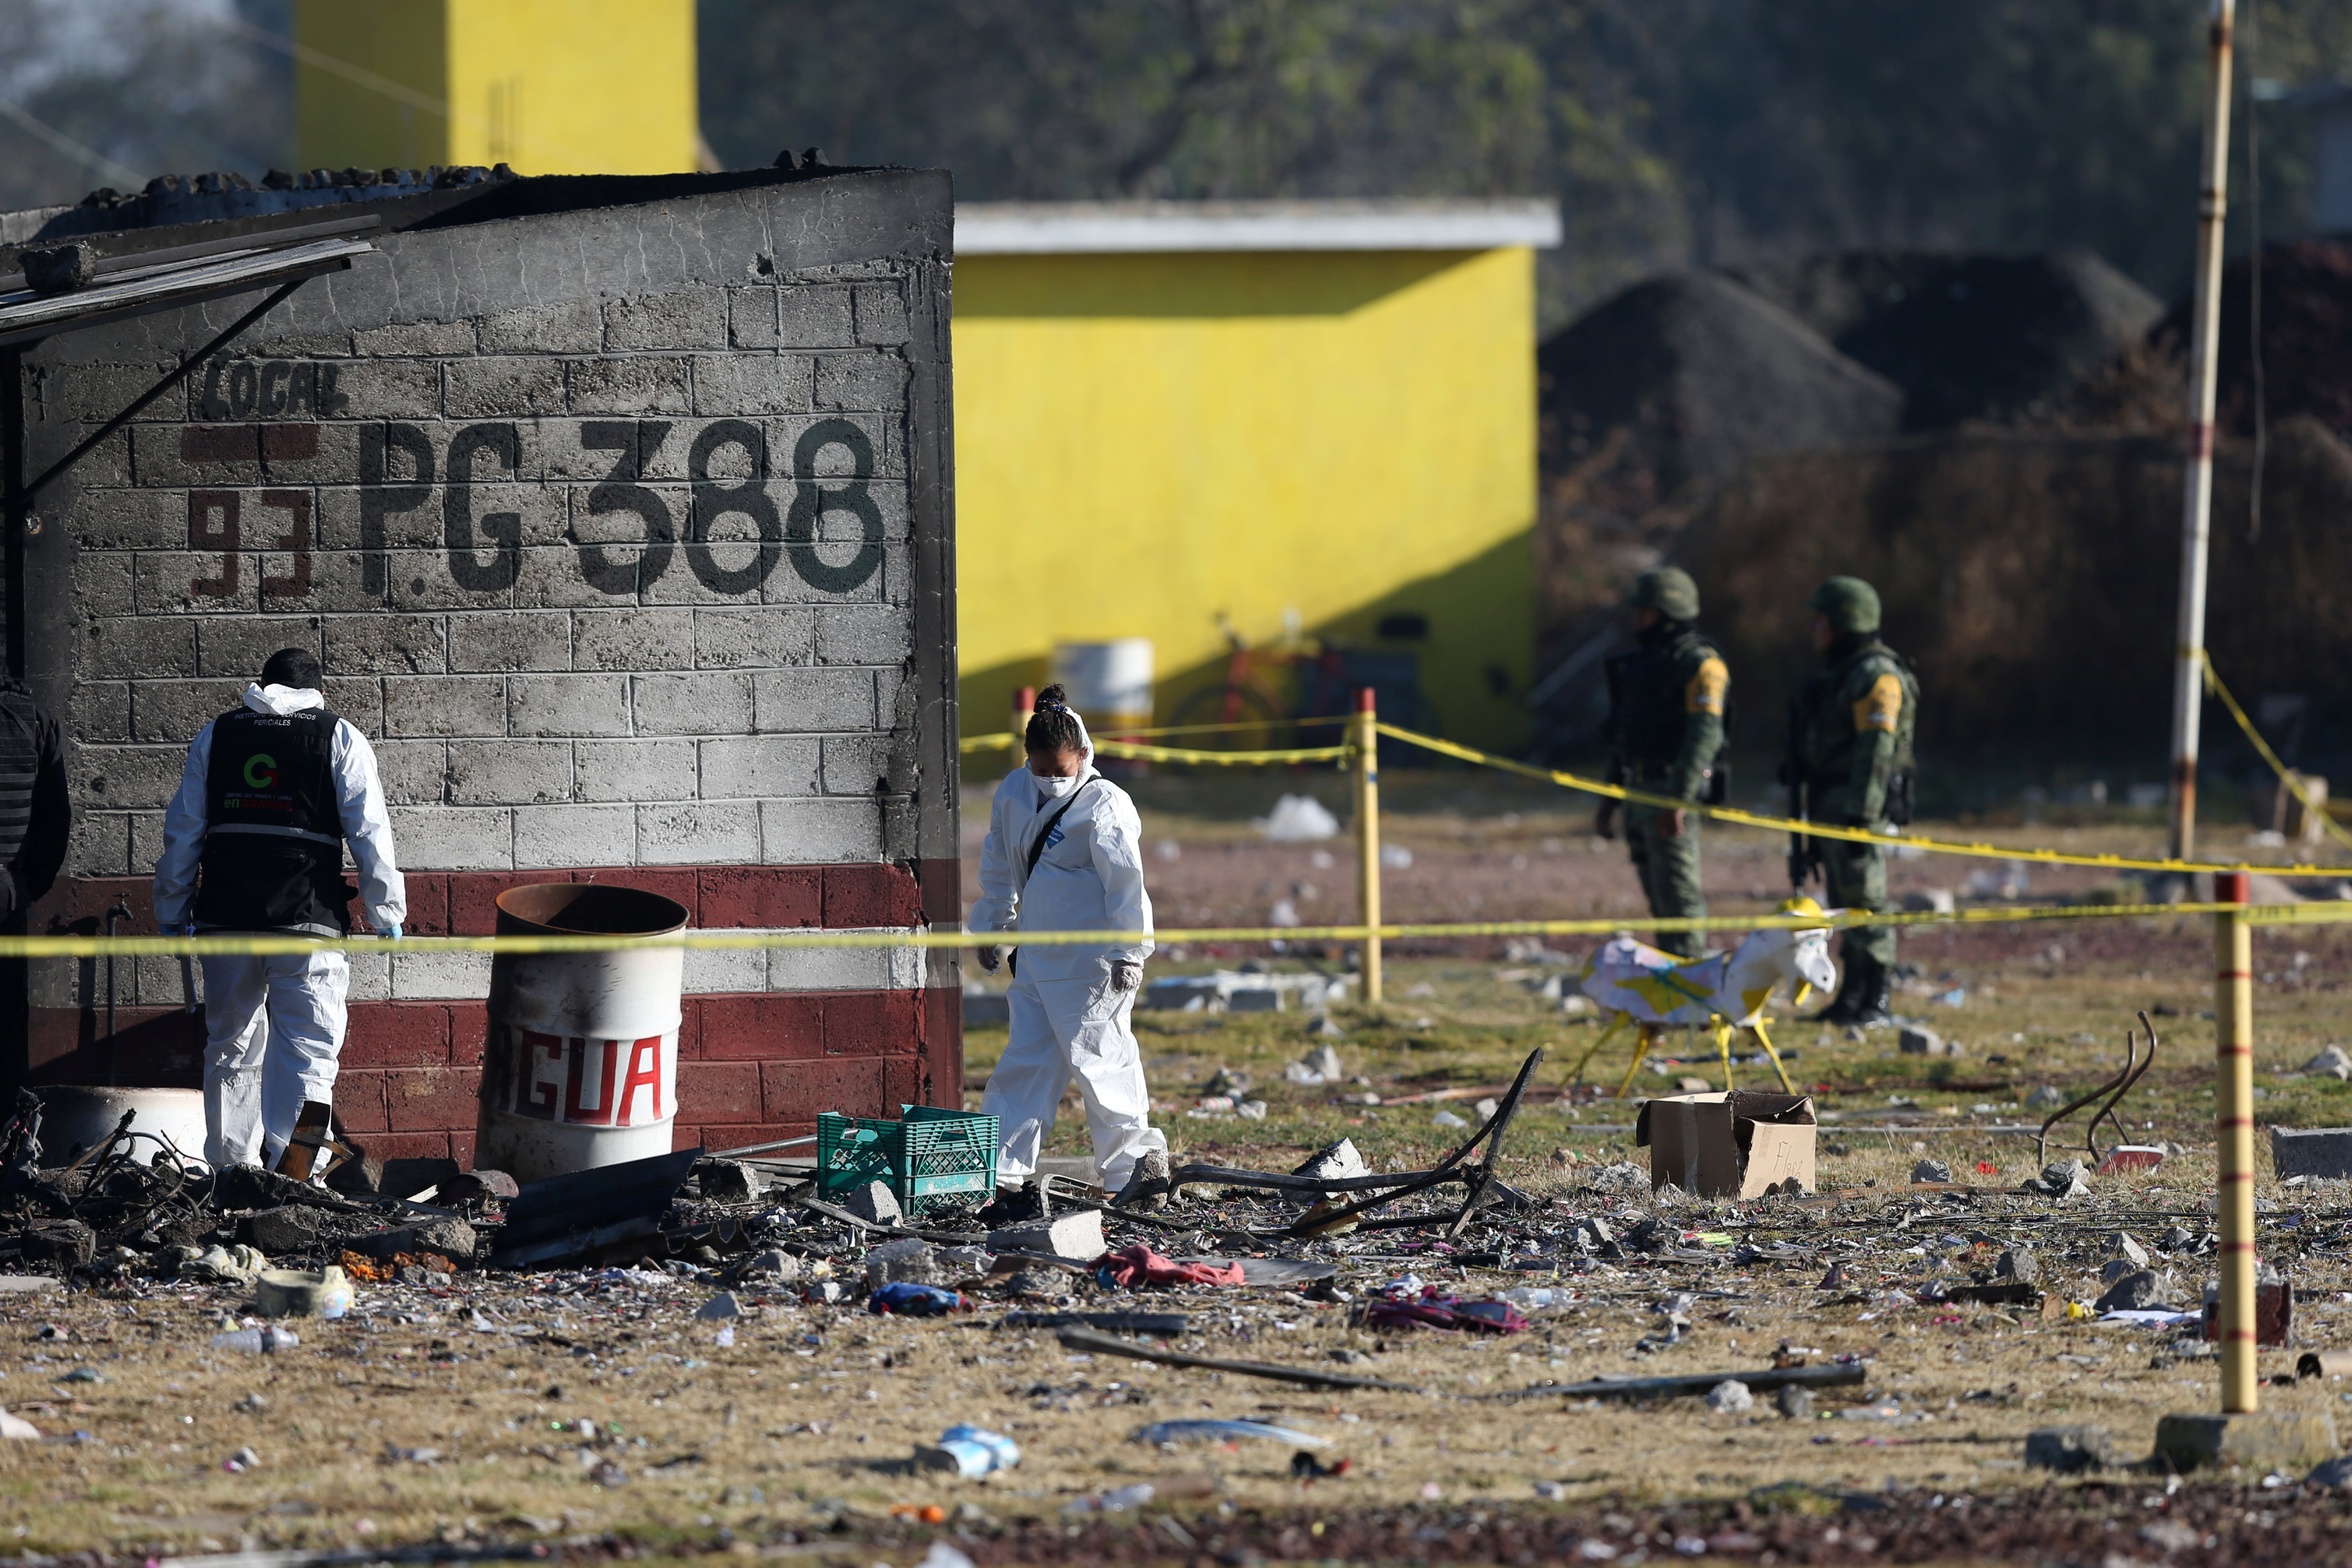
(389, 933)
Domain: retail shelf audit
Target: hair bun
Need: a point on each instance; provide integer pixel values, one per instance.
(1055, 694)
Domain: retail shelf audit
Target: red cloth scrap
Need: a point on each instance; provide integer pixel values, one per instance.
(1139, 1266)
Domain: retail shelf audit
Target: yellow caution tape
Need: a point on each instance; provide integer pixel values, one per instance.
(1848, 835)
(2286, 775)
(739, 940)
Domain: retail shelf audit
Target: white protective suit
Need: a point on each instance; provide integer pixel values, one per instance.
(1067, 1018)
(274, 1026)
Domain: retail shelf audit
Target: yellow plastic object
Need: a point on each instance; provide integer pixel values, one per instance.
(1145, 440)
(551, 86)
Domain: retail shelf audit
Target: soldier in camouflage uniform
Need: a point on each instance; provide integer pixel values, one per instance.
(1666, 702)
(1854, 726)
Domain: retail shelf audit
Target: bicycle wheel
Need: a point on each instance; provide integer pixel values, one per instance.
(1246, 722)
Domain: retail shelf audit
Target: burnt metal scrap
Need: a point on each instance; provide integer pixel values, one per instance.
(2113, 1091)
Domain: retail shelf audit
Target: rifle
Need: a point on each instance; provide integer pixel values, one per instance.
(1802, 855)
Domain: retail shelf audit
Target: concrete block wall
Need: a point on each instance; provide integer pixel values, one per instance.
(623, 530)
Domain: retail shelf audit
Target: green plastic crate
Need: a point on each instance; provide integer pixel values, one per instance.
(930, 1158)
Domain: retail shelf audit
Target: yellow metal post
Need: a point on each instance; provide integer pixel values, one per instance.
(1367, 837)
(2234, 1027)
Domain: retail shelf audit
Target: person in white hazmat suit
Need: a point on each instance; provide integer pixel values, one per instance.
(1063, 853)
(271, 793)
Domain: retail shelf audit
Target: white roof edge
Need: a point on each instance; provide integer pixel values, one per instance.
(1052, 228)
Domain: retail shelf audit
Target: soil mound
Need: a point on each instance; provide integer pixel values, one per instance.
(1966, 337)
(1703, 374)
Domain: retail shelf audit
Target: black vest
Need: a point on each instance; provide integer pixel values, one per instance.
(1648, 707)
(273, 856)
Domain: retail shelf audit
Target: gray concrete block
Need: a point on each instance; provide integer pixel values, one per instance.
(172, 711)
(843, 969)
(441, 976)
(858, 764)
(695, 318)
(864, 634)
(744, 384)
(389, 389)
(415, 338)
(140, 645)
(173, 583)
(568, 705)
(504, 384)
(98, 711)
(100, 845)
(885, 445)
(97, 393)
(789, 701)
(881, 313)
(568, 327)
(2071, 1450)
(550, 580)
(724, 972)
(103, 584)
(319, 455)
(508, 772)
(451, 837)
(159, 455)
(387, 644)
(126, 778)
(235, 650)
(814, 317)
(510, 642)
(752, 317)
(874, 379)
(848, 573)
(754, 638)
(413, 772)
(532, 513)
(2323, 1151)
(420, 579)
(1077, 1235)
(714, 702)
(2258, 1442)
(558, 836)
(637, 384)
(146, 841)
(633, 770)
(415, 706)
(699, 833)
(760, 766)
(820, 832)
(357, 699)
(632, 640)
(106, 466)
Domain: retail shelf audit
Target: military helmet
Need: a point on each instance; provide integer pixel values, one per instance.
(1850, 604)
(1669, 590)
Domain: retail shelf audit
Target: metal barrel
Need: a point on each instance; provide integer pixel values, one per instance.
(581, 1066)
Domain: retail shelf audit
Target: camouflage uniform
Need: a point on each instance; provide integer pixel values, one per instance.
(1666, 702)
(1856, 719)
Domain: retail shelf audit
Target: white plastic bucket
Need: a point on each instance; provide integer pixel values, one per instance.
(1111, 683)
(581, 1067)
(75, 1117)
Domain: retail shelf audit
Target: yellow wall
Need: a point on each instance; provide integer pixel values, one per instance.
(551, 86)
(1142, 441)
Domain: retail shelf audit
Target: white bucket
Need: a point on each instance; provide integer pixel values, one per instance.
(581, 1067)
(1109, 683)
(75, 1117)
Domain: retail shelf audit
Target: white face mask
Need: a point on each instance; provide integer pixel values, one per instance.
(1056, 788)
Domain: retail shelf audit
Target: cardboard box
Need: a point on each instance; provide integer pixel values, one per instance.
(1743, 1143)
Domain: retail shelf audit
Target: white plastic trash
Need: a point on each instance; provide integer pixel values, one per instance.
(1299, 819)
(580, 1068)
(1111, 683)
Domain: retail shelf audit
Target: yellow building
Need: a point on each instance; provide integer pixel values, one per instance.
(1315, 412)
(551, 86)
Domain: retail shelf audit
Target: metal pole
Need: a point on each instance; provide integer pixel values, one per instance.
(1367, 837)
(2197, 500)
(2233, 1094)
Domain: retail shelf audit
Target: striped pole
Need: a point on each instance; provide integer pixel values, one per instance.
(2233, 1028)
(1367, 837)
